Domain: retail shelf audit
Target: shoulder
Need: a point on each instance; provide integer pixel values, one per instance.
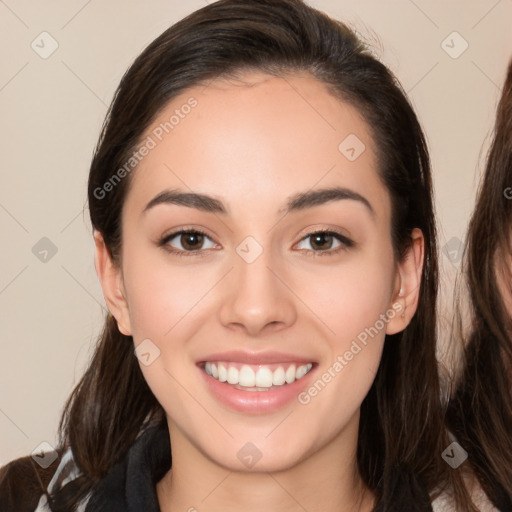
(24, 482)
(444, 502)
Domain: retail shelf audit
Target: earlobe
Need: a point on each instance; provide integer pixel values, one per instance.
(410, 268)
(111, 280)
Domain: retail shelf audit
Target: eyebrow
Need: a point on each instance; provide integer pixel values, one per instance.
(300, 201)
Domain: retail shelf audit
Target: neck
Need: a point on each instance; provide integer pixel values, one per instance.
(327, 480)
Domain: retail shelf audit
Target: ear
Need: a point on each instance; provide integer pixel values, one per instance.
(408, 283)
(111, 279)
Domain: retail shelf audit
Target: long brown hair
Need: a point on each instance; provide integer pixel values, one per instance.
(401, 429)
(481, 408)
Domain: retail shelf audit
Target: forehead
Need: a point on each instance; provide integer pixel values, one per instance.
(257, 137)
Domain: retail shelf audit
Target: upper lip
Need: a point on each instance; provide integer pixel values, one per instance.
(266, 357)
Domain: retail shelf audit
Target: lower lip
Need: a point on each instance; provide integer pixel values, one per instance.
(256, 402)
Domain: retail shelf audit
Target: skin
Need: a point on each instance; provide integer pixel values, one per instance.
(252, 144)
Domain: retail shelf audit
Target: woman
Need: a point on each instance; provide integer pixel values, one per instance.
(262, 205)
(481, 408)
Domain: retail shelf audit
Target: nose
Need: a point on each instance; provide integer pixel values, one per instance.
(257, 297)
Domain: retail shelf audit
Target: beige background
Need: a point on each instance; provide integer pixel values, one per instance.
(52, 110)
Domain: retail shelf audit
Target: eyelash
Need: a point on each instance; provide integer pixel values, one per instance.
(346, 243)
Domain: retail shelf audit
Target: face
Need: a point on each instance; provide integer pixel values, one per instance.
(283, 290)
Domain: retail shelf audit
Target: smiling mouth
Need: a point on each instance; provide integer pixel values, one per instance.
(262, 377)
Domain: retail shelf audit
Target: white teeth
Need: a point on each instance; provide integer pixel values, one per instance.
(290, 374)
(278, 377)
(264, 377)
(223, 373)
(246, 377)
(301, 371)
(233, 375)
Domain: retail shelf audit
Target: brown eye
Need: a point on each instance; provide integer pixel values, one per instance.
(321, 241)
(191, 241)
(187, 241)
(325, 242)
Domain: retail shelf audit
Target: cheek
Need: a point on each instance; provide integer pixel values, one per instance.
(349, 298)
(354, 306)
(162, 295)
